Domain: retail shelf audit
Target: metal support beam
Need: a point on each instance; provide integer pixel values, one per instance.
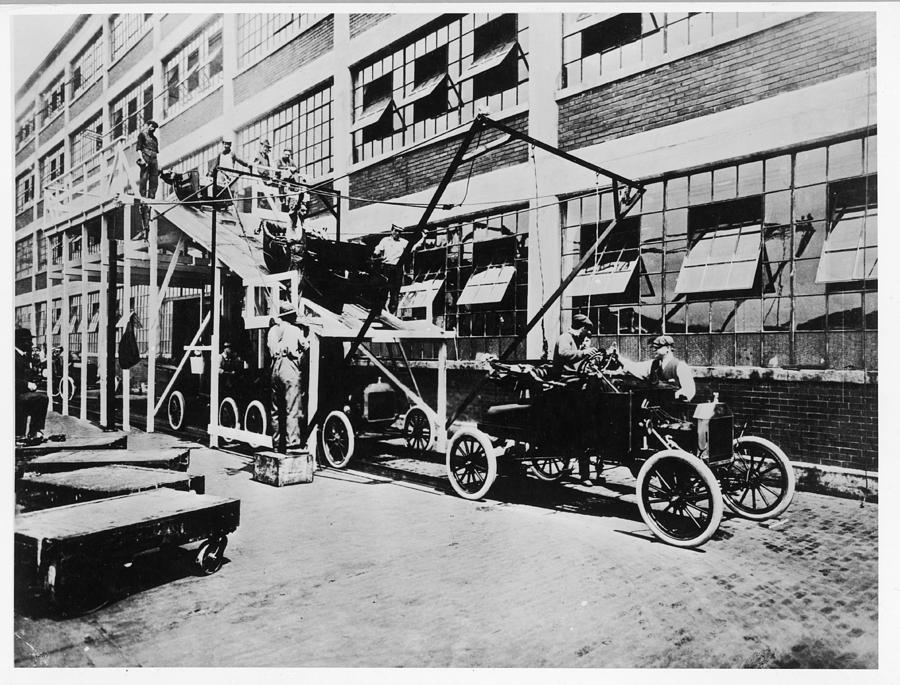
(64, 328)
(126, 311)
(84, 325)
(215, 283)
(154, 303)
(107, 261)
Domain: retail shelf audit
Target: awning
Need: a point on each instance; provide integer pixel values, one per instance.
(423, 90)
(420, 294)
(371, 114)
(850, 252)
(723, 259)
(488, 286)
(94, 323)
(492, 58)
(611, 278)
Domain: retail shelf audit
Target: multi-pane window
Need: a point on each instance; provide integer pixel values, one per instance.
(772, 261)
(124, 32)
(52, 166)
(260, 34)
(56, 323)
(75, 324)
(437, 80)
(40, 324)
(24, 190)
(24, 257)
(130, 110)
(53, 99)
(303, 126)
(93, 326)
(41, 250)
(194, 69)
(24, 130)
(23, 318)
(56, 249)
(198, 161)
(88, 66)
(87, 141)
(598, 45)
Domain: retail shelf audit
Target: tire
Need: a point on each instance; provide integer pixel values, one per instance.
(551, 469)
(211, 556)
(679, 498)
(338, 439)
(68, 388)
(175, 408)
(471, 464)
(759, 483)
(255, 418)
(228, 414)
(418, 430)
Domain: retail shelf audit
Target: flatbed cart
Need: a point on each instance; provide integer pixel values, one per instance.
(72, 553)
(175, 459)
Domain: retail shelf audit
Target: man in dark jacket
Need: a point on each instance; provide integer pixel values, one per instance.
(30, 403)
(148, 151)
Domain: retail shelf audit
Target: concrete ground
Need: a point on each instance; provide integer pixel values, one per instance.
(379, 566)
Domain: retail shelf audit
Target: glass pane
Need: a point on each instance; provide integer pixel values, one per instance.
(777, 207)
(722, 316)
(845, 311)
(871, 154)
(809, 349)
(747, 316)
(652, 258)
(810, 203)
(778, 173)
(776, 350)
(676, 222)
(871, 230)
(719, 277)
(690, 279)
(871, 310)
(847, 233)
(809, 167)
(698, 317)
(750, 179)
(651, 227)
(701, 250)
(652, 200)
(809, 313)
(870, 263)
(835, 267)
(845, 159)
(700, 186)
(776, 313)
(777, 243)
(725, 183)
(676, 192)
(675, 316)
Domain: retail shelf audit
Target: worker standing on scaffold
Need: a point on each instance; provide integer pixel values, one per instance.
(148, 153)
(288, 348)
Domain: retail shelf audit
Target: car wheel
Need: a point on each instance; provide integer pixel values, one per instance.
(175, 410)
(418, 431)
(471, 464)
(228, 414)
(759, 483)
(255, 419)
(552, 469)
(338, 439)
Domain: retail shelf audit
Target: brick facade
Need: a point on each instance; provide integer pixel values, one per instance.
(363, 22)
(285, 60)
(423, 168)
(25, 152)
(815, 48)
(24, 218)
(86, 99)
(134, 56)
(54, 127)
(208, 108)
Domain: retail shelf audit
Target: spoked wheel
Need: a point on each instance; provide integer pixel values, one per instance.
(679, 498)
(211, 555)
(175, 410)
(759, 482)
(418, 431)
(338, 439)
(551, 469)
(228, 414)
(471, 464)
(255, 419)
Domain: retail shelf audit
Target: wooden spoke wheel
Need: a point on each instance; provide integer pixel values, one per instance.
(471, 464)
(551, 469)
(175, 409)
(338, 439)
(418, 431)
(679, 498)
(759, 482)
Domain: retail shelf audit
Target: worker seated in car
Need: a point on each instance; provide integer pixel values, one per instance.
(572, 347)
(665, 367)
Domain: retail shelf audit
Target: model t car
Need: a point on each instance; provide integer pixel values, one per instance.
(685, 456)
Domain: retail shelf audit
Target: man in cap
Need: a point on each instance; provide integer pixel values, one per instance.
(148, 152)
(288, 347)
(30, 402)
(225, 160)
(286, 171)
(388, 254)
(665, 367)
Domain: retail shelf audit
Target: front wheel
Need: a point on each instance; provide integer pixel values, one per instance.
(759, 482)
(338, 439)
(471, 464)
(175, 410)
(679, 498)
(418, 431)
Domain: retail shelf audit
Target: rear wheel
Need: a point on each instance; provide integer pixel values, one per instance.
(255, 419)
(175, 410)
(551, 469)
(418, 431)
(338, 439)
(471, 464)
(759, 482)
(679, 498)
(228, 414)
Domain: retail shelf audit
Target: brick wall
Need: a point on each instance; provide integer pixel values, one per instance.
(23, 285)
(423, 168)
(24, 153)
(207, 109)
(812, 49)
(303, 49)
(51, 129)
(133, 56)
(363, 22)
(86, 99)
(24, 218)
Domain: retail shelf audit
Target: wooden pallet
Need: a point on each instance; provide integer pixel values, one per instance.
(69, 460)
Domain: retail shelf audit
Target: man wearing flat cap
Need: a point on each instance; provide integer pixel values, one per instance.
(665, 367)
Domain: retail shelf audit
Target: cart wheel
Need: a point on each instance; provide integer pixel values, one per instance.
(551, 470)
(471, 464)
(80, 589)
(67, 388)
(338, 439)
(759, 482)
(679, 498)
(255, 419)
(175, 407)
(228, 413)
(211, 555)
(418, 431)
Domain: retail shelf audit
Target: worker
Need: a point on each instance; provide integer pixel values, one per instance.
(148, 153)
(388, 255)
(286, 171)
(664, 368)
(225, 161)
(570, 349)
(288, 348)
(231, 367)
(31, 404)
(262, 166)
(299, 204)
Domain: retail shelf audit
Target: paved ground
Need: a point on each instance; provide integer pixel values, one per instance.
(358, 569)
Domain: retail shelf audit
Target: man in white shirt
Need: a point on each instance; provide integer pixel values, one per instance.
(225, 160)
(664, 368)
(288, 348)
(388, 254)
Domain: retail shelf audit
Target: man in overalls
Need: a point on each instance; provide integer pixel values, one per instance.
(288, 348)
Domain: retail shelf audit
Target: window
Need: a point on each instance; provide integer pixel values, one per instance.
(52, 166)
(125, 30)
(417, 298)
(87, 141)
(198, 161)
(23, 318)
(24, 130)
(850, 252)
(488, 286)
(40, 324)
(131, 109)
(75, 324)
(260, 34)
(438, 79)
(615, 261)
(93, 327)
(724, 247)
(24, 256)
(194, 69)
(41, 250)
(53, 99)
(88, 66)
(24, 190)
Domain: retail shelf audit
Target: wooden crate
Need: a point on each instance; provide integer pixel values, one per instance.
(274, 468)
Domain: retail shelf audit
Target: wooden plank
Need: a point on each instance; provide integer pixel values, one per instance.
(68, 460)
(102, 441)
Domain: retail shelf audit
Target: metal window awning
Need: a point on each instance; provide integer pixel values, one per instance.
(611, 278)
(423, 90)
(492, 58)
(723, 259)
(372, 114)
(420, 294)
(94, 323)
(488, 286)
(850, 252)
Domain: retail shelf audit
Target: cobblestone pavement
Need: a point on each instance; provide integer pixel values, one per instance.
(359, 569)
